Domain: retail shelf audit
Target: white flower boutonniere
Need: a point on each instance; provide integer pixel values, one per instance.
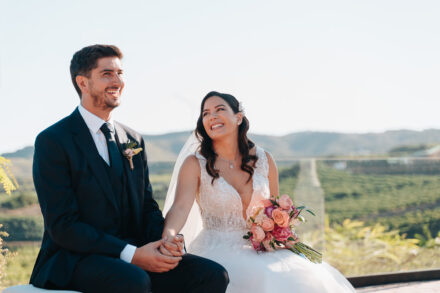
(131, 151)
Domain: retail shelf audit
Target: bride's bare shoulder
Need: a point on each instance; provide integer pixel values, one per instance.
(191, 165)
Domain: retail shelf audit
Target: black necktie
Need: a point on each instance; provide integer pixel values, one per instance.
(113, 151)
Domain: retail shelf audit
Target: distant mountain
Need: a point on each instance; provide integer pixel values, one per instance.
(26, 153)
(166, 147)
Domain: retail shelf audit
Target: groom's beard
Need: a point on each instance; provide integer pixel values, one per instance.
(101, 101)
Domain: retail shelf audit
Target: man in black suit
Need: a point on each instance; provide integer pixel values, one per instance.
(102, 226)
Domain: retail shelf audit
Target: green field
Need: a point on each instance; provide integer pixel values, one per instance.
(406, 201)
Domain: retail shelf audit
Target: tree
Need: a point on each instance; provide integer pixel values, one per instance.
(7, 180)
(8, 183)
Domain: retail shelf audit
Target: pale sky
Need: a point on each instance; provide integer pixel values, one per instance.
(345, 66)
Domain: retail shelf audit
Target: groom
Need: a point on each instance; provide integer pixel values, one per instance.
(102, 226)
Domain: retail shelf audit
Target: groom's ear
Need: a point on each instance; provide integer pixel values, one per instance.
(81, 81)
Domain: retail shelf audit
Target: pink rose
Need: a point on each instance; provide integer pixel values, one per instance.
(267, 242)
(280, 217)
(285, 202)
(266, 203)
(268, 211)
(281, 233)
(257, 233)
(267, 246)
(267, 224)
(269, 236)
(257, 245)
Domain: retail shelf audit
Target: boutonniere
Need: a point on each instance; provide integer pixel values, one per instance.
(130, 151)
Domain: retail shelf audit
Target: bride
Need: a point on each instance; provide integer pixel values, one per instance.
(221, 177)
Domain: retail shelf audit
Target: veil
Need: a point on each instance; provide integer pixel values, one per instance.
(193, 224)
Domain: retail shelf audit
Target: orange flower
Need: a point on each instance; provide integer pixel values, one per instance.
(267, 224)
(280, 217)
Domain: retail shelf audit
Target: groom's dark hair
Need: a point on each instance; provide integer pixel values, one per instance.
(86, 59)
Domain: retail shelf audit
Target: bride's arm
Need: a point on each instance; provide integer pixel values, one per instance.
(186, 189)
(273, 176)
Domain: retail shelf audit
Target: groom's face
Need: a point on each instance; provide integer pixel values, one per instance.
(105, 83)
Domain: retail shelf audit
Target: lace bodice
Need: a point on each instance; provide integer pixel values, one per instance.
(220, 203)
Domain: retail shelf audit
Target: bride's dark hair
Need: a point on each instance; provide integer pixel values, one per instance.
(244, 143)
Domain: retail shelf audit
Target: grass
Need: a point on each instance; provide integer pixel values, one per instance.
(19, 265)
(356, 249)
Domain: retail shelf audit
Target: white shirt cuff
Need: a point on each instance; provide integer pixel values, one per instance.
(127, 253)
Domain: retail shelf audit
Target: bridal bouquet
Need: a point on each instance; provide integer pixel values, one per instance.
(272, 227)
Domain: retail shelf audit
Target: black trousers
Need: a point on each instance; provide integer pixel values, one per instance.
(98, 273)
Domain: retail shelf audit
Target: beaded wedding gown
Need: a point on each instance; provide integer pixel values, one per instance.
(221, 240)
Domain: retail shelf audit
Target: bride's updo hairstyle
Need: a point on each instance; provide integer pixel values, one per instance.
(244, 143)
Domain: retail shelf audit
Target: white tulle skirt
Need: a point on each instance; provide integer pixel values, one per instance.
(279, 271)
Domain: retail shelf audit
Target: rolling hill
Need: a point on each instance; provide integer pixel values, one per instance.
(166, 147)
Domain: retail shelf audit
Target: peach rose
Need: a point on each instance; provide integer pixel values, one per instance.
(257, 233)
(280, 217)
(267, 224)
(285, 202)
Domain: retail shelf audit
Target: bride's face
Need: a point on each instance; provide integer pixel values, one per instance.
(219, 120)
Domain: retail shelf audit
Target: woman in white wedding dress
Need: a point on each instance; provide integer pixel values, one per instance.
(226, 176)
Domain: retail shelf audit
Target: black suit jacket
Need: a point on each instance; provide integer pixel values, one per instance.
(80, 211)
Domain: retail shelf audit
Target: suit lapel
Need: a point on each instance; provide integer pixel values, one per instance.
(85, 142)
(122, 139)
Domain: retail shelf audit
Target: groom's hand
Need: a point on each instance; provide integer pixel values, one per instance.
(149, 258)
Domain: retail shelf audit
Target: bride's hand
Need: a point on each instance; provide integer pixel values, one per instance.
(149, 258)
(173, 247)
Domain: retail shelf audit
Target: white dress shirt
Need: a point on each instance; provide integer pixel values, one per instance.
(94, 124)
